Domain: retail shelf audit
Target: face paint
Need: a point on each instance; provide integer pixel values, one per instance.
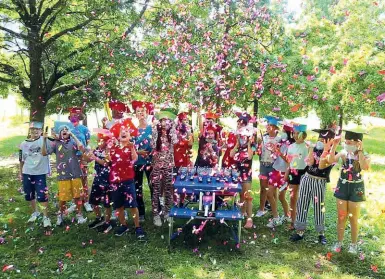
(74, 119)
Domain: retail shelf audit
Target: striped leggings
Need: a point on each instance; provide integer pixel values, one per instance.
(161, 180)
(311, 189)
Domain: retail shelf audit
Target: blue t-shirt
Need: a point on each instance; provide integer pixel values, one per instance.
(143, 142)
(82, 133)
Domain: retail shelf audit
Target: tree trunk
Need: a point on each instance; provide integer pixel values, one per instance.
(37, 111)
(85, 120)
(255, 110)
(37, 94)
(341, 122)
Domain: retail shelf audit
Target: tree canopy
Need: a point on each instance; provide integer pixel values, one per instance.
(211, 54)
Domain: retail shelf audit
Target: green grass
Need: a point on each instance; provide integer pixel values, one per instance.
(263, 254)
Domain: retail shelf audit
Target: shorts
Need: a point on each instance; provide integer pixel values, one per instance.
(347, 191)
(124, 195)
(265, 170)
(245, 174)
(70, 189)
(101, 193)
(295, 176)
(277, 178)
(35, 185)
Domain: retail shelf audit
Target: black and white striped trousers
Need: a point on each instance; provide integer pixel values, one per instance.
(311, 189)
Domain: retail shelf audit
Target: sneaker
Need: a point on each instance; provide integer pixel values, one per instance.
(142, 219)
(260, 213)
(33, 217)
(121, 230)
(157, 221)
(161, 201)
(88, 207)
(140, 234)
(286, 219)
(337, 247)
(296, 237)
(59, 221)
(81, 219)
(46, 222)
(353, 249)
(274, 223)
(98, 222)
(249, 223)
(105, 228)
(72, 208)
(322, 239)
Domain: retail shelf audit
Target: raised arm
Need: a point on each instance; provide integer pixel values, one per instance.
(79, 145)
(363, 160)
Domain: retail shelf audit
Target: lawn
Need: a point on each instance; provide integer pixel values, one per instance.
(83, 253)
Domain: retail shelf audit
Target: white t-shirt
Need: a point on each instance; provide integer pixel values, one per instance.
(34, 162)
(267, 148)
(297, 154)
(280, 164)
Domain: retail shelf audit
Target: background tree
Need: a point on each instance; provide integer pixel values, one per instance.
(59, 46)
(346, 48)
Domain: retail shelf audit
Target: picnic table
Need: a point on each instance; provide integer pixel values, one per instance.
(200, 201)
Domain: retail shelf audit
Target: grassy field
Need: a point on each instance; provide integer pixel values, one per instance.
(264, 253)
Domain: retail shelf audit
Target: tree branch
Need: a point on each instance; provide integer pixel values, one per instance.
(15, 34)
(65, 31)
(68, 87)
(134, 24)
(21, 10)
(56, 75)
(6, 7)
(49, 11)
(40, 7)
(50, 22)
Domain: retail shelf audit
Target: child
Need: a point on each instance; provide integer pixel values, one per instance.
(118, 109)
(313, 186)
(208, 151)
(296, 155)
(350, 190)
(163, 140)
(267, 145)
(33, 170)
(242, 154)
(101, 190)
(277, 177)
(68, 169)
(83, 135)
(143, 146)
(182, 149)
(123, 155)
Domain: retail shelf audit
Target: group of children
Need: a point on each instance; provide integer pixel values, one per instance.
(160, 144)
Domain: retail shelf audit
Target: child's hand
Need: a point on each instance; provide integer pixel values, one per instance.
(20, 176)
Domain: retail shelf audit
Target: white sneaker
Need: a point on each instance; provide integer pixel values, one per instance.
(286, 219)
(353, 249)
(337, 247)
(59, 221)
(81, 219)
(46, 222)
(274, 223)
(260, 213)
(88, 207)
(33, 217)
(157, 221)
(161, 201)
(72, 208)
